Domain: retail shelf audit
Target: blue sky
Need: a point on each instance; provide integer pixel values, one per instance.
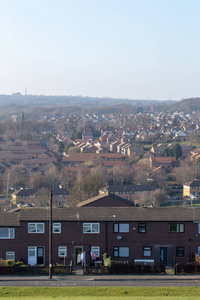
(137, 49)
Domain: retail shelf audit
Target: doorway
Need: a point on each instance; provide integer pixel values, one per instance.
(164, 255)
(35, 255)
(77, 251)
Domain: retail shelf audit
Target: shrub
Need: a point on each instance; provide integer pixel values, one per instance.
(107, 260)
(10, 262)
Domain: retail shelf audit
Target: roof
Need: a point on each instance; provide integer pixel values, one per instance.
(195, 182)
(99, 197)
(130, 187)
(93, 214)
(29, 192)
(8, 219)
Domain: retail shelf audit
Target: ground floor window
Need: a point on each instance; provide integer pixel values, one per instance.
(96, 251)
(180, 251)
(147, 251)
(10, 255)
(62, 251)
(121, 251)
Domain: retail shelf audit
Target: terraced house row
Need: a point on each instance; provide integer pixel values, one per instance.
(169, 235)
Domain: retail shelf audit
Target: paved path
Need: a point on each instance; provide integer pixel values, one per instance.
(102, 280)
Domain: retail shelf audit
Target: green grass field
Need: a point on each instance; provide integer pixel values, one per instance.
(146, 293)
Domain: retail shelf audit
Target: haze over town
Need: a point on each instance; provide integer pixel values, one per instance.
(122, 49)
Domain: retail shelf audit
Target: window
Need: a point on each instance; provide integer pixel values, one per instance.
(56, 227)
(199, 228)
(121, 227)
(176, 228)
(7, 233)
(121, 251)
(10, 255)
(180, 251)
(36, 227)
(91, 227)
(62, 251)
(147, 251)
(95, 250)
(142, 227)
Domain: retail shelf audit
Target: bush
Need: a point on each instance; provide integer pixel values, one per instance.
(107, 260)
(10, 263)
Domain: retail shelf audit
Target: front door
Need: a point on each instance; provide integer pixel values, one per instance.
(77, 259)
(163, 255)
(35, 255)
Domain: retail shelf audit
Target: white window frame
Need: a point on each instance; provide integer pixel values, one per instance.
(11, 233)
(36, 225)
(9, 253)
(56, 227)
(90, 226)
(62, 249)
(95, 250)
(118, 227)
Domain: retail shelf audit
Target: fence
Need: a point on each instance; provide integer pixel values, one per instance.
(34, 270)
(188, 267)
(121, 267)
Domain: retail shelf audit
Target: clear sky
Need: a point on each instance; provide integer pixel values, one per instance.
(137, 49)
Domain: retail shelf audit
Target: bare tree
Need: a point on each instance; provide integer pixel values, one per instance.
(184, 173)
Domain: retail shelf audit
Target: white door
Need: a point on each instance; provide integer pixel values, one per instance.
(32, 256)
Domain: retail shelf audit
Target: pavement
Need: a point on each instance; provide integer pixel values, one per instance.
(102, 280)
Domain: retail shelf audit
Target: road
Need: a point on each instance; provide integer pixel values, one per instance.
(102, 281)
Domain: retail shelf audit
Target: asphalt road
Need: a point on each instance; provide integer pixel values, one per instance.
(102, 281)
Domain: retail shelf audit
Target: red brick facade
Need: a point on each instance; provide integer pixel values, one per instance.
(154, 242)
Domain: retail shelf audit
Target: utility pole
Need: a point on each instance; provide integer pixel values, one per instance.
(50, 235)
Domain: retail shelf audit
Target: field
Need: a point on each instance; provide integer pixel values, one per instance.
(146, 293)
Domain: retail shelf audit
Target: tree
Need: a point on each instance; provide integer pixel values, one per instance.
(59, 147)
(88, 186)
(68, 147)
(158, 197)
(184, 173)
(177, 150)
(122, 175)
(18, 176)
(51, 177)
(167, 152)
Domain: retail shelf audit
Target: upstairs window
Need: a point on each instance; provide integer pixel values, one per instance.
(7, 233)
(35, 227)
(121, 227)
(56, 227)
(141, 227)
(176, 228)
(91, 227)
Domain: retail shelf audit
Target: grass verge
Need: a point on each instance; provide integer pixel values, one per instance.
(94, 292)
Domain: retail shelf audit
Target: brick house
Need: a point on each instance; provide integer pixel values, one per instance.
(191, 188)
(169, 235)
